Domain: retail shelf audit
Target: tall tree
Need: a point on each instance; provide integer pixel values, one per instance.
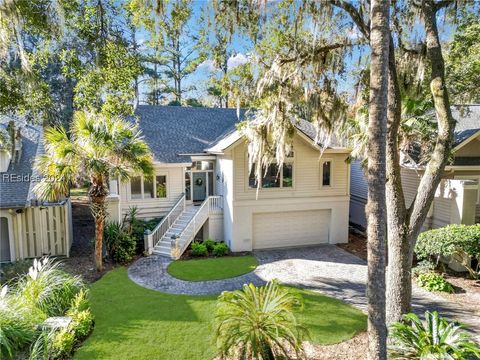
(376, 152)
(97, 148)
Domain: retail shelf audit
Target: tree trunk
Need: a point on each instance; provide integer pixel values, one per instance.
(98, 194)
(376, 212)
(405, 225)
(398, 275)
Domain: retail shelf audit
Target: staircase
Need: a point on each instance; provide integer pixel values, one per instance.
(178, 228)
(164, 246)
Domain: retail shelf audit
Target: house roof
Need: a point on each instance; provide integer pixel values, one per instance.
(174, 133)
(15, 182)
(468, 121)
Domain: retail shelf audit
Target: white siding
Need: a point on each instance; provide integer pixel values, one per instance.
(152, 208)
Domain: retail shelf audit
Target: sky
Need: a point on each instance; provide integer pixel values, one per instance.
(240, 47)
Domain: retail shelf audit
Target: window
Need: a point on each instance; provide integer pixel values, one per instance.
(161, 185)
(148, 187)
(136, 187)
(273, 178)
(326, 173)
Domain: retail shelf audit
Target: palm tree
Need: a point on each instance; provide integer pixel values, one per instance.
(98, 148)
(258, 323)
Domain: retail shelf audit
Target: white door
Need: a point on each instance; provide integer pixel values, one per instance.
(291, 228)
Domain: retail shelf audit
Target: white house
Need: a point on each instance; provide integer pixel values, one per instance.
(202, 185)
(457, 200)
(28, 228)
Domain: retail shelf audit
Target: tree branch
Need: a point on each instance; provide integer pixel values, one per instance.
(355, 15)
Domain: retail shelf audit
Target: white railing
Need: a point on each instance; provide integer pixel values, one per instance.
(215, 205)
(153, 237)
(211, 205)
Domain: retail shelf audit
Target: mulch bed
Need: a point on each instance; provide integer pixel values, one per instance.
(81, 260)
(357, 244)
(353, 349)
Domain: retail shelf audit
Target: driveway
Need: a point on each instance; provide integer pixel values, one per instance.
(326, 269)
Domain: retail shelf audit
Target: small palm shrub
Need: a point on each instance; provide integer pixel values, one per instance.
(120, 244)
(199, 249)
(220, 249)
(436, 338)
(434, 282)
(48, 289)
(258, 323)
(209, 244)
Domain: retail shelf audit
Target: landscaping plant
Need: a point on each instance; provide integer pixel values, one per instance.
(435, 338)
(455, 241)
(210, 244)
(220, 249)
(432, 281)
(199, 249)
(44, 292)
(119, 242)
(258, 323)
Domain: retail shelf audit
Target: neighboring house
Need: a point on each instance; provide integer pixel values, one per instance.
(202, 186)
(457, 200)
(28, 228)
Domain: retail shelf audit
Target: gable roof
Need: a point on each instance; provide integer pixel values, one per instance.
(468, 121)
(174, 133)
(14, 191)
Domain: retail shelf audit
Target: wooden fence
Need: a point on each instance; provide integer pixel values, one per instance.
(43, 230)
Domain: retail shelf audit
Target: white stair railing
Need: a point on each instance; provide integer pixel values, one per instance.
(152, 238)
(211, 205)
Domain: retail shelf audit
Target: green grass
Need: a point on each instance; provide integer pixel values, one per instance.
(212, 269)
(132, 322)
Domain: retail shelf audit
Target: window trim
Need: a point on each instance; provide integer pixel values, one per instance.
(154, 178)
(323, 161)
(290, 161)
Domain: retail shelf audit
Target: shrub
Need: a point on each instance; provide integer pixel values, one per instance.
(434, 282)
(424, 266)
(14, 270)
(258, 322)
(455, 241)
(62, 344)
(16, 328)
(220, 249)
(436, 338)
(48, 289)
(209, 244)
(120, 244)
(82, 323)
(198, 249)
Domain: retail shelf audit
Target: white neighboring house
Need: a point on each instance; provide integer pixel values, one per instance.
(28, 228)
(457, 200)
(202, 186)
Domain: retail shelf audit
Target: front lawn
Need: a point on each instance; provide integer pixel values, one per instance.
(132, 322)
(212, 269)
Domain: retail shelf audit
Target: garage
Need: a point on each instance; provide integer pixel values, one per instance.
(290, 228)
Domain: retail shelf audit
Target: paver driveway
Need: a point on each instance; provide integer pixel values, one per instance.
(326, 268)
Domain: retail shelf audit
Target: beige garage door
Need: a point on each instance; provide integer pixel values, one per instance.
(291, 228)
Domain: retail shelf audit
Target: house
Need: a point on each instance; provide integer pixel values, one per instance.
(28, 228)
(457, 199)
(202, 186)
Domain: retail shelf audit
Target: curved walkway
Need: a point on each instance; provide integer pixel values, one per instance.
(326, 269)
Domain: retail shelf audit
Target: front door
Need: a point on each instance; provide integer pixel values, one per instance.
(4, 240)
(199, 185)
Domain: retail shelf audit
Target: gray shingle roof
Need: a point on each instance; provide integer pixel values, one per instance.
(14, 191)
(173, 132)
(468, 121)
